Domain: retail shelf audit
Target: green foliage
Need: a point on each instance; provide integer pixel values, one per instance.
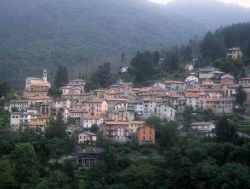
(7, 179)
(234, 67)
(241, 96)
(142, 67)
(138, 176)
(24, 162)
(5, 90)
(225, 131)
(4, 118)
(61, 78)
(56, 127)
(54, 92)
(71, 33)
(213, 46)
(102, 78)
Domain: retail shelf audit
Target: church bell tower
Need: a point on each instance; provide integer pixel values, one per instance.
(45, 75)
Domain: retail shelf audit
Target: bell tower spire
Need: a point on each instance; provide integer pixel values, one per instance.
(45, 75)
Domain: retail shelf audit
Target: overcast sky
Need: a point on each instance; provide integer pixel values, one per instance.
(245, 3)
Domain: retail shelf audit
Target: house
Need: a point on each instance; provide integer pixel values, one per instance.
(88, 122)
(15, 120)
(174, 85)
(231, 90)
(149, 106)
(87, 138)
(218, 105)
(206, 73)
(74, 87)
(37, 86)
(116, 131)
(136, 105)
(181, 104)
(214, 92)
(146, 135)
(95, 107)
(87, 157)
(203, 129)
(164, 111)
(20, 105)
(189, 67)
(227, 79)
(76, 113)
(134, 125)
(191, 80)
(121, 115)
(234, 53)
(244, 81)
(192, 100)
(37, 124)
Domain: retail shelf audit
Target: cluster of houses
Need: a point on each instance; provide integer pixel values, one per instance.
(117, 109)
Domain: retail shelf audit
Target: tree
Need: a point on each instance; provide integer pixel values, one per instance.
(156, 57)
(103, 77)
(142, 67)
(167, 134)
(123, 59)
(56, 127)
(61, 78)
(241, 96)
(225, 131)
(213, 47)
(5, 89)
(24, 161)
(7, 179)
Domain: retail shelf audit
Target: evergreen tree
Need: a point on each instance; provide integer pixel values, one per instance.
(156, 57)
(5, 89)
(241, 96)
(103, 77)
(123, 59)
(213, 47)
(61, 78)
(142, 67)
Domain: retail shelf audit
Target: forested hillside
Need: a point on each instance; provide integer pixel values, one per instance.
(211, 13)
(215, 44)
(37, 34)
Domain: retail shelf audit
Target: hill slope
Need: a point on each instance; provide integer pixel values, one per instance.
(37, 34)
(211, 13)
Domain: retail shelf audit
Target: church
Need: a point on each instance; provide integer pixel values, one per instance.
(37, 86)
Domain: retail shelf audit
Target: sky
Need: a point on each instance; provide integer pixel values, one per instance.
(245, 3)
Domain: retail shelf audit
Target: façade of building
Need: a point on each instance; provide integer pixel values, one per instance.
(36, 86)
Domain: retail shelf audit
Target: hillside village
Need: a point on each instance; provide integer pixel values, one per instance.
(119, 111)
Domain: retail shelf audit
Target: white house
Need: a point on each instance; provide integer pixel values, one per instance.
(116, 131)
(191, 80)
(206, 73)
(164, 111)
(74, 87)
(88, 122)
(15, 121)
(149, 108)
(203, 129)
(192, 100)
(136, 105)
(21, 105)
(234, 53)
